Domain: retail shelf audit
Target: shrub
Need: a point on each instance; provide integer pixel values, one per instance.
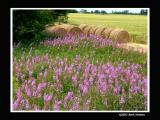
(29, 24)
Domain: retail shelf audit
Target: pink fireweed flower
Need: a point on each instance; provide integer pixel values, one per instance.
(122, 100)
(22, 102)
(83, 88)
(94, 72)
(103, 87)
(58, 71)
(69, 70)
(16, 104)
(104, 67)
(46, 57)
(91, 81)
(56, 105)
(33, 83)
(55, 78)
(39, 88)
(34, 94)
(74, 79)
(76, 105)
(30, 73)
(101, 76)
(44, 84)
(69, 96)
(116, 90)
(27, 104)
(47, 97)
(86, 82)
(45, 74)
(116, 87)
(28, 91)
(36, 108)
(39, 95)
(19, 93)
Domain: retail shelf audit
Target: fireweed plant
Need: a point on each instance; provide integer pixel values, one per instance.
(78, 73)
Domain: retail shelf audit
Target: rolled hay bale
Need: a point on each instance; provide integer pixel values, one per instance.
(83, 26)
(59, 31)
(49, 29)
(119, 36)
(71, 29)
(93, 29)
(134, 47)
(106, 32)
(99, 31)
(87, 29)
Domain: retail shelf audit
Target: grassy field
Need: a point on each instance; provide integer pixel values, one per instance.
(136, 25)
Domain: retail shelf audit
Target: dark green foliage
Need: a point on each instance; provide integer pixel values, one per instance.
(29, 24)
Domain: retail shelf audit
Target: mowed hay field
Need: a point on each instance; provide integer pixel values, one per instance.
(136, 25)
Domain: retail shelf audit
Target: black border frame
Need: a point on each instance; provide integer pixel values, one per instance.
(74, 4)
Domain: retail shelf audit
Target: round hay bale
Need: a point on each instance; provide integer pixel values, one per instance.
(119, 36)
(59, 31)
(106, 32)
(87, 30)
(71, 29)
(99, 31)
(49, 29)
(93, 29)
(83, 26)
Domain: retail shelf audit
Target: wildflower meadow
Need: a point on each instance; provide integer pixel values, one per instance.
(78, 73)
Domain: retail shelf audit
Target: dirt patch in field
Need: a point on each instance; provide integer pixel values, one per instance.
(134, 46)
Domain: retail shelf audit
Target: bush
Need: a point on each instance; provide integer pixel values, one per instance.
(29, 24)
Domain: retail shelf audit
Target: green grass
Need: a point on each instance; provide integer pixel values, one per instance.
(106, 54)
(136, 25)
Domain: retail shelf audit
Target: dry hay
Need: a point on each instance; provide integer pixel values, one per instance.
(83, 26)
(134, 46)
(49, 29)
(87, 30)
(93, 29)
(99, 31)
(71, 29)
(59, 31)
(55, 29)
(106, 32)
(119, 36)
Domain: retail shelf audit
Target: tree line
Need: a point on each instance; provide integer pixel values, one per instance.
(142, 12)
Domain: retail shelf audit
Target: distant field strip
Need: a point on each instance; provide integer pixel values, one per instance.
(135, 24)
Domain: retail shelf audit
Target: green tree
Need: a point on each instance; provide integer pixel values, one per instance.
(103, 12)
(28, 24)
(83, 11)
(143, 12)
(97, 11)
